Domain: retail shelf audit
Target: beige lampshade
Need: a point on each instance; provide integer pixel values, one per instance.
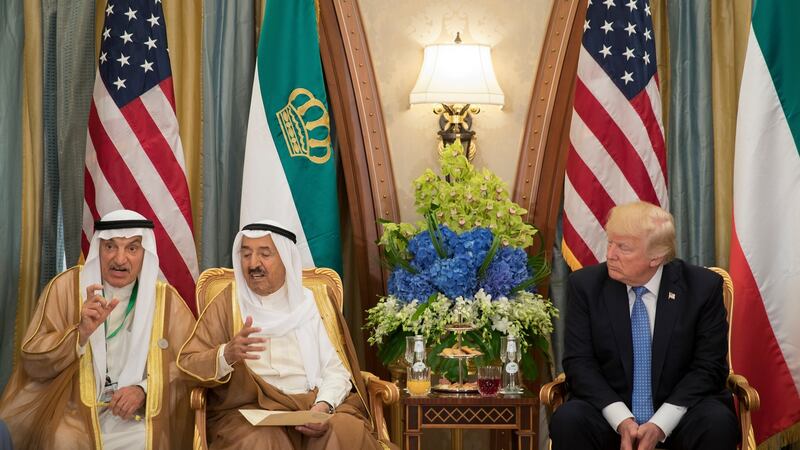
(457, 74)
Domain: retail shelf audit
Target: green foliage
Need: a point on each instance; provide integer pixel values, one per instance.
(444, 366)
(435, 232)
(394, 347)
(489, 257)
(463, 198)
(395, 244)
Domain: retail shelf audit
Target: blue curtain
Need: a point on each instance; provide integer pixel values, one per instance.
(50, 195)
(229, 53)
(11, 42)
(68, 40)
(690, 146)
(75, 73)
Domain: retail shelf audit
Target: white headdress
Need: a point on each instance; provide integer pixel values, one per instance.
(303, 317)
(124, 224)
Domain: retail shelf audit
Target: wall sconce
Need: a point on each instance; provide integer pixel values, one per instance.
(457, 77)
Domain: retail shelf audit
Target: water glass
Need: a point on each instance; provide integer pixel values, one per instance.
(409, 350)
(418, 382)
(489, 380)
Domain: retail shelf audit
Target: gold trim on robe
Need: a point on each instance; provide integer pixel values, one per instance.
(51, 396)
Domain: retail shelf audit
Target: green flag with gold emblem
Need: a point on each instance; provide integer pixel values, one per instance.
(290, 166)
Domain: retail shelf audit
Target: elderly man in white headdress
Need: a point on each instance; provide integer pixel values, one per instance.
(262, 343)
(97, 364)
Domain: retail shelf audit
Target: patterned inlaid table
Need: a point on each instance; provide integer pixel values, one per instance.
(511, 419)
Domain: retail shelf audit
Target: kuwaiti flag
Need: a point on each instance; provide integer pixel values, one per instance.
(765, 249)
(290, 167)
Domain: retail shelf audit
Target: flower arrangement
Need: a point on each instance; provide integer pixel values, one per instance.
(465, 263)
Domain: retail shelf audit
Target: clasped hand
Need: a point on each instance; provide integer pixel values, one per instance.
(639, 437)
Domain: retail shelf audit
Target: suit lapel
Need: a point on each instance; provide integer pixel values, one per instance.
(615, 297)
(668, 306)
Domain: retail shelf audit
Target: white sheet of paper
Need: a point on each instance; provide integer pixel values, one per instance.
(262, 417)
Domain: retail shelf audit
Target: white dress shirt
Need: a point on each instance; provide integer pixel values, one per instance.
(117, 347)
(281, 365)
(117, 433)
(668, 415)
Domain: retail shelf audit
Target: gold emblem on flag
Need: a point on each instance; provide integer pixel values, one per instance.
(306, 127)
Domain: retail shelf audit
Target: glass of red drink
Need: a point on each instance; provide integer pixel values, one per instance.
(489, 380)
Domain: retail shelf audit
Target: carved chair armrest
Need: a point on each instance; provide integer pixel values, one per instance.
(746, 394)
(197, 398)
(748, 401)
(553, 394)
(380, 393)
(197, 401)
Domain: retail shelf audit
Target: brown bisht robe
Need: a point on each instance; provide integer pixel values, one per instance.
(50, 400)
(350, 426)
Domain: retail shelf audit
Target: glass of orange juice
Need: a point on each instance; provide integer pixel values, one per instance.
(418, 382)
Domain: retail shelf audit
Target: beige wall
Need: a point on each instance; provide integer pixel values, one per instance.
(397, 32)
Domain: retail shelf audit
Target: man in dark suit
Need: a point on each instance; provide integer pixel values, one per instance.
(645, 347)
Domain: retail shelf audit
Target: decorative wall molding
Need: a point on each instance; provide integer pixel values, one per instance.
(539, 184)
(363, 144)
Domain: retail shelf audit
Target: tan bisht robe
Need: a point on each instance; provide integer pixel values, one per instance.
(350, 427)
(50, 400)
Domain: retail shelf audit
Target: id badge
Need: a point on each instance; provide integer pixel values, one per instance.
(108, 392)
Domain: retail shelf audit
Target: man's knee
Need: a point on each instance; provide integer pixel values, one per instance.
(710, 424)
(579, 425)
(574, 416)
(266, 438)
(721, 427)
(342, 421)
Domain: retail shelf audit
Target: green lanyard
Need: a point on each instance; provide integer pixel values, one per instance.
(128, 310)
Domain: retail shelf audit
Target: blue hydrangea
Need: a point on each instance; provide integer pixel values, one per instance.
(423, 254)
(508, 268)
(454, 277)
(408, 286)
(474, 245)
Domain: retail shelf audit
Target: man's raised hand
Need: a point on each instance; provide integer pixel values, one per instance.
(242, 346)
(95, 310)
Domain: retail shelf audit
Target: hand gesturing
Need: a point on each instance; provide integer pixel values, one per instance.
(95, 310)
(242, 346)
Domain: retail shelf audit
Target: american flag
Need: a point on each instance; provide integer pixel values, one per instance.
(134, 157)
(617, 152)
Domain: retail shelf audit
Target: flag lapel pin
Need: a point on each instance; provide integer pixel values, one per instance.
(671, 296)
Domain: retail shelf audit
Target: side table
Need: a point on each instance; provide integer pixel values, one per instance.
(511, 419)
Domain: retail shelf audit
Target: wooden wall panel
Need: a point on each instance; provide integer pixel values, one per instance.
(539, 184)
(363, 144)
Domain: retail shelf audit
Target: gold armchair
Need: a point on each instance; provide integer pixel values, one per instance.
(322, 282)
(553, 394)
